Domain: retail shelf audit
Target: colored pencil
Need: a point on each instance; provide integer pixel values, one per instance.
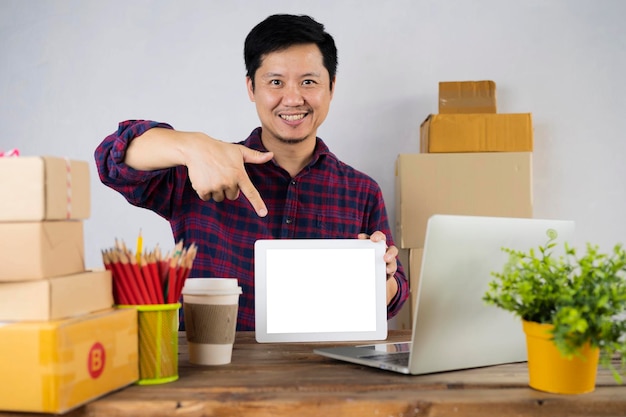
(146, 277)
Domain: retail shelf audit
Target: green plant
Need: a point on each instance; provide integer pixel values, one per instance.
(583, 297)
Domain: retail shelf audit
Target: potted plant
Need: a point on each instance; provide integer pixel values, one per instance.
(574, 306)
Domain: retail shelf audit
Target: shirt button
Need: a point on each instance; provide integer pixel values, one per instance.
(288, 221)
(293, 182)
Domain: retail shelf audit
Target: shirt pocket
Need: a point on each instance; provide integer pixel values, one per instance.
(333, 226)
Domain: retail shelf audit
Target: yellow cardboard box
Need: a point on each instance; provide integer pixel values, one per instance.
(44, 188)
(55, 366)
(37, 250)
(510, 132)
(467, 97)
(56, 298)
(481, 184)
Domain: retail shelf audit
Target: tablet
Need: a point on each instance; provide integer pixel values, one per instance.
(314, 290)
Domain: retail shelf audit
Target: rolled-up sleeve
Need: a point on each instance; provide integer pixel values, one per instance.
(111, 152)
(401, 296)
(147, 189)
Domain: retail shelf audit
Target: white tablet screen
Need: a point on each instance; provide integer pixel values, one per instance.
(310, 290)
(298, 298)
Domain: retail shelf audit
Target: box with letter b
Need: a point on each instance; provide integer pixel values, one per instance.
(58, 365)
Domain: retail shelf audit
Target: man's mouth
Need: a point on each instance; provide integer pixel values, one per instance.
(292, 117)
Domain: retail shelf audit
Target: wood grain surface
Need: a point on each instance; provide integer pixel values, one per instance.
(288, 379)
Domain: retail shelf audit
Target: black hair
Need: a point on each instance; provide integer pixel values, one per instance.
(280, 31)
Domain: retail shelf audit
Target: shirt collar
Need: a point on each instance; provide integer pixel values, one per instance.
(254, 142)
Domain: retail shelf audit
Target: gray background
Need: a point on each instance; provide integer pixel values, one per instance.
(71, 70)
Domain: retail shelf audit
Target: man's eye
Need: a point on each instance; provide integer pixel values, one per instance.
(308, 82)
(275, 82)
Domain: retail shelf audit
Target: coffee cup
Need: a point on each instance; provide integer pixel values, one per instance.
(210, 312)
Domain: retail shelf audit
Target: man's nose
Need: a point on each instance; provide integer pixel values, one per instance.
(293, 96)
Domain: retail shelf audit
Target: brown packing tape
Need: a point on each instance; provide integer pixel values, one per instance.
(477, 132)
(467, 97)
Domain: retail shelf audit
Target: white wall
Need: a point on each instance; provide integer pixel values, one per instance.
(71, 70)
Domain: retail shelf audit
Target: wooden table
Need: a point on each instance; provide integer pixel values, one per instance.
(290, 380)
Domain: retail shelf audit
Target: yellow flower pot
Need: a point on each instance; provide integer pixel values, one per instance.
(549, 371)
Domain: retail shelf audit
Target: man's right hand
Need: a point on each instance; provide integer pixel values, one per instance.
(216, 169)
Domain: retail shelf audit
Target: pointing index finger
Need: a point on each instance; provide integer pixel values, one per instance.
(254, 197)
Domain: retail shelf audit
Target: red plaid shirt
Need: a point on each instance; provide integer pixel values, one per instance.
(327, 199)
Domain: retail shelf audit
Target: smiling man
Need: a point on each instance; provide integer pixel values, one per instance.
(280, 182)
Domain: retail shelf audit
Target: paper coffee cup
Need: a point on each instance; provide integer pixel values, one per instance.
(210, 306)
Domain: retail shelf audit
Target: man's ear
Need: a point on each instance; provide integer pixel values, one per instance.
(250, 88)
(332, 86)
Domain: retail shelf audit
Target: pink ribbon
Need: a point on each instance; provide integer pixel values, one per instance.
(68, 169)
(10, 152)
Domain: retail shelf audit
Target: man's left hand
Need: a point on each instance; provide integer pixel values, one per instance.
(390, 260)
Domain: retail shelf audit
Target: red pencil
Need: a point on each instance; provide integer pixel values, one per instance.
(156, 279)
(162, 266)
(180, 269)
(126, 294)
(139, 295)
(144, 280)
(151, 279)
(118, 295)
(148, 278)
(185, 268)
(180, 282)
(171, 282)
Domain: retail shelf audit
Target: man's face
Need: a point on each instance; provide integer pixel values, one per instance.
(292, 92)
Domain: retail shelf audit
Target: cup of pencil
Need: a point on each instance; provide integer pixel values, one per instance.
(152, 284)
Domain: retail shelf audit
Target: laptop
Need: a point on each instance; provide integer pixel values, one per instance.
(452, 326)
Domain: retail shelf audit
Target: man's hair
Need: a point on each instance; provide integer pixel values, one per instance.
(279, 32)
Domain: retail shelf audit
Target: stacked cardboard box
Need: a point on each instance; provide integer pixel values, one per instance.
(63, 343)
(468, 122)
(473, 161)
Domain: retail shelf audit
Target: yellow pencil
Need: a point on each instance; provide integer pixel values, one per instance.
(139, 247)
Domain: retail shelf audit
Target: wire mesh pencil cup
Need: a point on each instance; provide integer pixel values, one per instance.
(158, 342)
(152, 285)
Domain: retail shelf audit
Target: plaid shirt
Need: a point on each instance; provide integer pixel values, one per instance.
(327, 199)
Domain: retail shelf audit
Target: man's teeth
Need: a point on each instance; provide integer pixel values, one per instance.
(291, 117)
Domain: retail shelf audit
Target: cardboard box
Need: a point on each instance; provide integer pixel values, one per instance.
(55, 366)
(481, 184)
(510, 132)
(467, 97)
(56, 298)
(37, 250)
(44, 188)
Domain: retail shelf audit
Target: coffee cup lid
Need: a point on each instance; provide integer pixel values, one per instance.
(218, 286)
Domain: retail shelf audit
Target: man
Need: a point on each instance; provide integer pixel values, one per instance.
(281, 182)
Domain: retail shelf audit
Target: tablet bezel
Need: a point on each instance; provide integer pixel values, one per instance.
(379, 330)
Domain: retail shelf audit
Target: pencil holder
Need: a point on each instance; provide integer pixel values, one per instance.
(158, 342)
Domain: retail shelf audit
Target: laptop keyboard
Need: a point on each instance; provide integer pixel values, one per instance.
(400, 358)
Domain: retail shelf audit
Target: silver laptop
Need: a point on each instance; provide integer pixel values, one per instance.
(452, 326)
